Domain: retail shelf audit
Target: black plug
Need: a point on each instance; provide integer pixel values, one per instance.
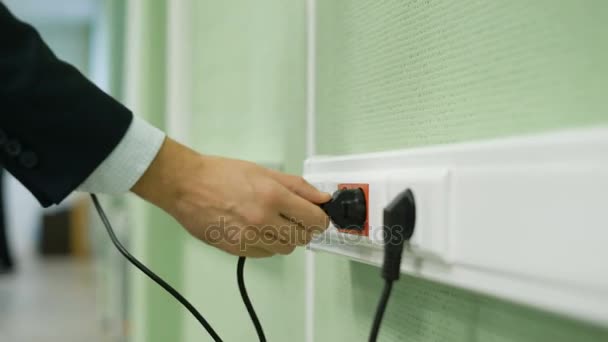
(347, 209)
(399, 222)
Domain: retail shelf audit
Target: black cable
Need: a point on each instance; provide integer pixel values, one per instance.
(399, 222)
(151, 274)
(243, 290)
(386, 293)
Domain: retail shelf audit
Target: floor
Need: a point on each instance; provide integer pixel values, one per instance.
(49, 300)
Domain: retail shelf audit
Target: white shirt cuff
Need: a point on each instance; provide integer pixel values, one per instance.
(128, 161)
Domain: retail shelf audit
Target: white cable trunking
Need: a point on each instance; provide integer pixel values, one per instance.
(524, 218)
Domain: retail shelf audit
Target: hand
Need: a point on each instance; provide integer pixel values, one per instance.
(236, 206)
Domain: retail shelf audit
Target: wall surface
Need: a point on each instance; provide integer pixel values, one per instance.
(249, 103)
(156, 238)
(399, 74)
(396, 74)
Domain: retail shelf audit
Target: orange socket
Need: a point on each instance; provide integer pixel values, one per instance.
(365, 188)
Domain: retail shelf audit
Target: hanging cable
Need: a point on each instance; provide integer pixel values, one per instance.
(151, 274)
(243, 290)
(399, 222)
(386, 293)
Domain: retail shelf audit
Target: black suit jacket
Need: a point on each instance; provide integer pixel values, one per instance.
(56, 127)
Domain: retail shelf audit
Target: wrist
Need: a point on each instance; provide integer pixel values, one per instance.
(162, 184)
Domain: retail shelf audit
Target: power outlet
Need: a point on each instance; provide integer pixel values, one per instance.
(431, 192)
(520, 218)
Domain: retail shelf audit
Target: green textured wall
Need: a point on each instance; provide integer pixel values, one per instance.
(397, 74)
(407, 73)
(250, 91)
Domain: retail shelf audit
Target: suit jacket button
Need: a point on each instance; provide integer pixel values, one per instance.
(28, 159)
(13, 148)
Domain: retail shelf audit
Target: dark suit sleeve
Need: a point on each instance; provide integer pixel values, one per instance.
(56, 127)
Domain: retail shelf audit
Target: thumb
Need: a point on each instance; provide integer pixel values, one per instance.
(301, 187)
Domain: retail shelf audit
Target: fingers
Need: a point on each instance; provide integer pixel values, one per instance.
(269, 243)
(246, 250)
(286, 231)
(298, 233)
(301, 187)
(254, 252)
(295, 203)
(279, 236)
(299, 210)
(276, 236)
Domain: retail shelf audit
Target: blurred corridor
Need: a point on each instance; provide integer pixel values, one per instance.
(43, 300)
(62, 288)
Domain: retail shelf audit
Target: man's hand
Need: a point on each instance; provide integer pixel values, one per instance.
(237, 206)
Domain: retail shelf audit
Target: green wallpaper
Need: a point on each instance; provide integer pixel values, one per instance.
(347, 293)
(397, 74)
(249, 82)
(250, 92)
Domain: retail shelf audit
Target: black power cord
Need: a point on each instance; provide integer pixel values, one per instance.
(151, 274)
(243, 290)
(399, 223)
(386, 293)
(348, 209)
